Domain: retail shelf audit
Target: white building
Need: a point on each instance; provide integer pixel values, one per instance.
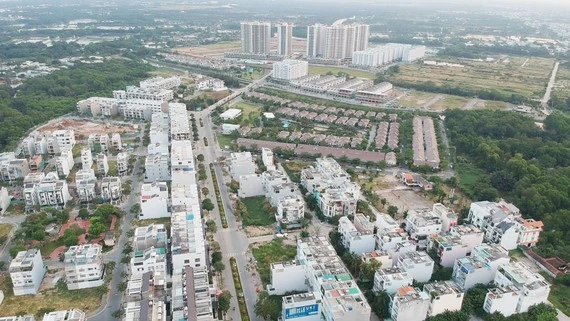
(99, 106)
(154, 200)
(503, 300)
(268, 159)
(65, 315)
(386, 54)
(448, 248)
(122, 164)
(281, 191)
(241, 164)
(86, 185)
(84, 266)
(469, 234)
(422, 223)
(116, 141)
(86, 159)
(45, 190)
(179, 123)
(230, 114)
(409, 304)
(65, 139)
(111, 189)
(412, 54)
(229, 128)
(27, 271)
(419, 265)
(159, 83)
(12, 168)
(102, 165)
(301, 307)
(383, 257)
(285, 39)
(208, 83)
(354, 240)
(182, 162)
(255, 37)
(290, 69)
(285, 278)
(196, 304)
(64, 163)
(156, 168)
(337, 41)
(27, 317)
(149, 260)
(4, 200)
(480, 267)
(159, 129)
(448, 216)
(187, 239)
(390, 280)
(153, 235)
(290, 209)
(250, 185)
(443, 296)
(385, 222)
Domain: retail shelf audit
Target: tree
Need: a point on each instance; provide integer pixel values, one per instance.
(367, 270)
(17, 248)
(205, 191)
(304, 233)
(224, 301)
(97, 228)
(442, 274)
(83, 213)
(267, 307)
(200, 157)
(211, 226)
(216, 257)
(383, 201)
(219, 266)
(392, 210)
(207, 204)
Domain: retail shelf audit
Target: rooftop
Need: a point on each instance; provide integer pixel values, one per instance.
(441, 288)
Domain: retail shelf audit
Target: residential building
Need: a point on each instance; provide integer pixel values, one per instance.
(376, 94)
(182, 163)
(31, 182)
(503, 300)
(102, 165)
(255, 37)
(154, 200)
(250, 185)
(111, 189)
(27, 317)
(448, 216)
(228, 129)
(290, 69)
(151, 236)
(424, 143)
(301, 307)
(419, 265)
(390, 280)
(86, 185)
(197, 303)
(386, 54)
(116, 141)
(179, 123)
(4, 200)
(149, 260)
(151, 310)
(269, 179)
(99, 143)
(156, 168)
(383, 257)
(230, 114)
(159, 129)
(443, 296)
(469, 234)
(65, 139)
(12, 168)
(422, 223)
(27, 271)
(414, 53)
(241, 164)
(99, 106)
(159, 83)
(86, 159)
(65, 315)
(284, 278)
(337, 41)
(480, 267)
(122, 164)
(281, 191)
(355, 240)
(84, 266)
(45, 190)
(64, 163)
(385, 222)
(448, 248)
(290, 209)
(187, 238)
(409, 304)
(27, 146)
(285, 39)
(267, 159)
(207, 83)
(40, 145)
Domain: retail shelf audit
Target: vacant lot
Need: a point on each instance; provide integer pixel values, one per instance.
(5, 230)
(505, 75)
(562, 86)
(250, 113)
(293, 169)
(321, 70)
(274, 251)
(256, 214)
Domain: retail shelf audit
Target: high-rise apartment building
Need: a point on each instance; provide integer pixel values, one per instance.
(255, 37)
(285, 39)
(336, 41)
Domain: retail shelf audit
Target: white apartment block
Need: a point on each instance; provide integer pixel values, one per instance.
(355, 240)
(469, 234)
(133, 93)
(98, 143)
(187, 239)
(208, 83)
(153, 235)
(12, 168)
(390, 280)
(301, 307)
(65, 139)
(86, 159)
(26, 147)
(409, 304)
(422, 223)
(272, 178)
(84, 266)
(268, 159)
(111, 189)
(448, 216)
(419, 265)
(285, 278)
(503, 300)
(160, 129)
(503, 224)
(4, 200)
(86, 185)
(99, 106)
(255, 37)
(241, 164)
(449, 248)
(156, 168)
(179, 123)
(280, 191)
(154, 200)
(290, 209)
(122, 164)
(45, 190)
(102, 165)
(31, 182)
(149, 260)
(337, 41)
(65, 315)
(444, 296)
(385, 222)
(64, 163)
(480, 267)
(251, 185)
(159, 83)
(285, 39)
(196, 304)
(414, 53)
(40, 145)
(290, 69)
(27, 271)
(383, 257)
(182, 163)
(27, 317)
(386, 54)
(116, 141)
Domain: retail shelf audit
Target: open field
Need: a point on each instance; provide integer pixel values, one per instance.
(503, 74)
(560, 297)
(274, 251)
(293, 169)
(224, 140)
(218, 49)
(57, 299)
(5, 230)
(250, 112)
(562, 85)
(325, 69)
(256, 215)
(84, 128)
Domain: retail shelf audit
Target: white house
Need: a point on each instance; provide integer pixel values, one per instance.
(422, 223)
(302, 307)
(267, 158)
(27, 271)
(84, 266)
(231, 114)
(122, 164)
(286, 277)
(503, 300)
(187, 239)
(4, 200)
(443, 296)
(64, 163)
(448, 248)
(210, 84)
(154, 200)
(390, 280)
(86, 159)
(250, 185)
(383, 257)
(156, 168)
(409, 304)
(241, 164)
(385, 222)
(149, 260)
(448, 216)
(469, 234)
(153, 235)
(480, 267)
(229, 128)
(290, 209)
(419, 265)
(111, 189)
(102, 165)
(281, 191)
(352, 239)
(86, 185)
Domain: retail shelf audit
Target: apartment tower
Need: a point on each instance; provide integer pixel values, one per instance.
(284, 39)
(255, 37)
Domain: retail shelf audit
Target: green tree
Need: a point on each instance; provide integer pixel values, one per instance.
(17, 248)
(216, 257)
(200, 157)
(392, 210)
(224, 301)
(219, 266)
(205, 191)
(207, 204)
(83, 213)
(267, 307)
(304, 233)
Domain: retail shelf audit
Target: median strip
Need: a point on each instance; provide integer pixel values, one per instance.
(218, 197)
(239, 290)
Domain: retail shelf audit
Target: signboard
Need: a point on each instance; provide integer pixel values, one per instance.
(303, 311)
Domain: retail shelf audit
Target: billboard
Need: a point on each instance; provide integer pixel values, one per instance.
(300, 312)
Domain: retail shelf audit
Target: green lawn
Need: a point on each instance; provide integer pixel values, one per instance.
(293, 169)
(272, 252)
(468, 174)
(256, 215)
(225, 140)
(560, 297)
(335, 70)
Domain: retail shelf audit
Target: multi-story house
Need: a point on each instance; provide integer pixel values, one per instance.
(422, 223)
(149, 260)
(156, 168)
(65, 315)
(419, 265)
(86, 159)
(84, 266)
(443, 296)
(290, 209)
(390, 280)
(409, 304)
(116, 141)
(154, 200)
(448, 248)
(355, 240)
(153, 235)
(102, 165)
(122, 164)
(27, 271)
(52, 191)
(480, 267)
(111, 189)
(241, 164)
(86, 185)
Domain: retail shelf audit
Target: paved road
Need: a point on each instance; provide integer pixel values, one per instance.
(114, 299)
(546, 98)
(15, 221)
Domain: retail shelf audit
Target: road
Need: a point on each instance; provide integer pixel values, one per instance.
(548, 92)
(15, 221)
(113, 300)
(446, 172)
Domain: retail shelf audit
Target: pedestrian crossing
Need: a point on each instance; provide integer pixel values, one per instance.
(230, 254)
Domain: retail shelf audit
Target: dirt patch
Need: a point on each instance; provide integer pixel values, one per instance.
(84, 128)
(404, 199)
(50, 280)
(252, 231)
(218, 49)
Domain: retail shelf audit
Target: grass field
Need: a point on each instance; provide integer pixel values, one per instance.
(250, 112)
(293, 169)
(355, 73)
(255, 213)
(225, 140)
(59, 298)
(505, 75)
(5, 229)
(221, 45)
(562, 86)
(272, 252)
(560, 297)
(469, 175)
